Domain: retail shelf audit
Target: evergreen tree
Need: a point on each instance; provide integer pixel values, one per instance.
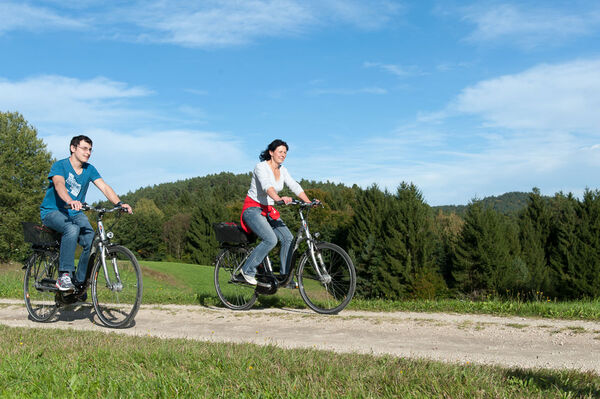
(202, 245)
(487, 254)
(534, 232)
(24, 167)
(365, 240)
(409, 265)
(447, 230)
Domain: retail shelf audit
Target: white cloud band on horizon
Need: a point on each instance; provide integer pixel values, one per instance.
(57, 100)
(131, 161)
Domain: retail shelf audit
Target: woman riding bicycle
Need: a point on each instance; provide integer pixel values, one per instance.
(258, 213)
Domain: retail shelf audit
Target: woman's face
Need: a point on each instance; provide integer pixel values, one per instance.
(278, 156)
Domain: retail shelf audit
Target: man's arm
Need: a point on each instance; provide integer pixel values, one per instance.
(61, 190)
(110, 194)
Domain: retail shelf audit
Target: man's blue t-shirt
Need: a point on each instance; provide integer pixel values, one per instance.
(77, 186)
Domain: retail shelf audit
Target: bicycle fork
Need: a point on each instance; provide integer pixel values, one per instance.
(315, 256)
(116, 285)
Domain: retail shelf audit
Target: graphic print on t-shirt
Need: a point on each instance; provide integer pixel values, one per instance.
(72, 184)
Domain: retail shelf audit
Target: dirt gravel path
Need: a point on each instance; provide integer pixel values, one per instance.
(506, 341)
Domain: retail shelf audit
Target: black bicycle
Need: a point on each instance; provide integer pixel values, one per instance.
(113, 274)
(325, 272)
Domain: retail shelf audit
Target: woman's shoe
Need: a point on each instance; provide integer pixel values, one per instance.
(249, 279)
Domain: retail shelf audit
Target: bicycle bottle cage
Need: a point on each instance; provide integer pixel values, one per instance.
(40, 236)
(232, 233)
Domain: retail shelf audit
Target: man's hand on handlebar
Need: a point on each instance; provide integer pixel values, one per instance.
(75, 205)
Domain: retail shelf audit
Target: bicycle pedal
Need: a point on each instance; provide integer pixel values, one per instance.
(264, 285)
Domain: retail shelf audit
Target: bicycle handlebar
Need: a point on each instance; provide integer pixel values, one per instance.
(86, 207)
(314, 202)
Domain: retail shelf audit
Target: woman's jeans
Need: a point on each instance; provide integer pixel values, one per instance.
(269, 231)
(74, 229)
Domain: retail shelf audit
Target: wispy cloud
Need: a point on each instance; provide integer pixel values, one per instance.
(19, 16)
(348, 92)
(530, 26)
(206, 24)
(398, 70)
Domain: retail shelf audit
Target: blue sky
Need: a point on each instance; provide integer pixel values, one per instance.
(464, 99)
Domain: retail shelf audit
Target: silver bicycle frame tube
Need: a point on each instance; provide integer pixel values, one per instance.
(319, 264)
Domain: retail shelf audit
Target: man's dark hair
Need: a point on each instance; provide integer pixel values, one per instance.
(78, 139)
(265, 156)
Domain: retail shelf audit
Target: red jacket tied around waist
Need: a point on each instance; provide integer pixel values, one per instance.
(266, 210)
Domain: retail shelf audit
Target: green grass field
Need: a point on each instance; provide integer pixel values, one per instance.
(43, 363)
(180, 283)
(66, 363)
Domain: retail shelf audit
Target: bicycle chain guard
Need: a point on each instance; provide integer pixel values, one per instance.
(268, 279)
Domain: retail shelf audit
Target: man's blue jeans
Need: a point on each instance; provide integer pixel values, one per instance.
(269, 231)
(74, 229)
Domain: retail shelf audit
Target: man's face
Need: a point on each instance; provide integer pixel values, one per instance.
(82, 151)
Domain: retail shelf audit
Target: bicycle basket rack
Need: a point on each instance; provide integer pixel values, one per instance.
(232, 233)
(40, 236)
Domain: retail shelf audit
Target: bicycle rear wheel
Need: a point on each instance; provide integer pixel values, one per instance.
(232, 291)
(39, 286)
(117, 300)
(332, 292)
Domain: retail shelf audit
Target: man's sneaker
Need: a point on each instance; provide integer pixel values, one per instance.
(63, 283)
(249, 279)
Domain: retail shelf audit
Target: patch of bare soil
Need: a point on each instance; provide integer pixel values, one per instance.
(506, 341)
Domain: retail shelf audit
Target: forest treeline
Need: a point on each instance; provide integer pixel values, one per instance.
(517, 244)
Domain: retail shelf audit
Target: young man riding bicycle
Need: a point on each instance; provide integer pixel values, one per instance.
(61, 208)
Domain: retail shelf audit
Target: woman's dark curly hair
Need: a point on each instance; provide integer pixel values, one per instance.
(265, 156)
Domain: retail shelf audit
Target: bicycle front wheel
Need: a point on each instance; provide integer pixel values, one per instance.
(331, 288)
(232, 291)
(117, 294)
(39, 287)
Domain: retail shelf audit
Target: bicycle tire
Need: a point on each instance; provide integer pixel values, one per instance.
(41, 272)
(233, 294)
(117, 306)
(333, 296)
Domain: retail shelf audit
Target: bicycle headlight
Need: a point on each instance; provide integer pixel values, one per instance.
(317, 234)
(110, 234)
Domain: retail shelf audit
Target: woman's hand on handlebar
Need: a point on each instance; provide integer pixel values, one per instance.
(126, 208)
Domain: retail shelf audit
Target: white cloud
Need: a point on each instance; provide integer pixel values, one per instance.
(551, 97)
(530, 26)
(537, 128)
(59, 100)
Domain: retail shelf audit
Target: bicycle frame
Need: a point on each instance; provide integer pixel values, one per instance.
(100, 244)
(302, 235)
